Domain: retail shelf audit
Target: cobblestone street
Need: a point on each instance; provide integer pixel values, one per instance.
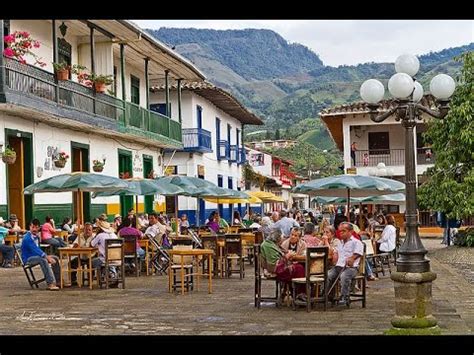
(145, 307)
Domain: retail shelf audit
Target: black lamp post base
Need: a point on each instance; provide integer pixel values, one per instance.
(413, 306)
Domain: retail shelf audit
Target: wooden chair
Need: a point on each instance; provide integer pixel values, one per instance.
(210, 242)
(360, 280)
(114, 257)
(262, 275)
(316, 274)
(188, 269)
(28, 269)
(130, 252)
(233, 251)
(234, 229)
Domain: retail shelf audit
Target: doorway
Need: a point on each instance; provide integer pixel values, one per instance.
(147, 169)
(125, 172)
(20, 175)
(81, 201)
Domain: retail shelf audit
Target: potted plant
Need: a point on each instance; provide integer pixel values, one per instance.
(98, 165)
(9, 155)
(63, 70)
(60, 160)
(100, 81)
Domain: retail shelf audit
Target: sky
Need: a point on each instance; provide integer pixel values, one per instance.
(349, 42)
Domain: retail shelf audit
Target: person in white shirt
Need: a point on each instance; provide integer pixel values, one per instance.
(387, 241)
(106, 232)
(156, 230)
(349, 253)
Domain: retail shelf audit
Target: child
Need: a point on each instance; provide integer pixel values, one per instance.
(366, 159)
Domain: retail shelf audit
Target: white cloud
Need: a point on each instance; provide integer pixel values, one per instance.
(350, 41)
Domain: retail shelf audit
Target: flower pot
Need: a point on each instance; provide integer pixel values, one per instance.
(99, 87)
(59, 163)
(9, 159)
(98, 169)
(62, 74)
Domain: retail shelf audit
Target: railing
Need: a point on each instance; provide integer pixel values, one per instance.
(197, 140)
(31, 80)
(233, 155)
(224, 150)
(391, 157)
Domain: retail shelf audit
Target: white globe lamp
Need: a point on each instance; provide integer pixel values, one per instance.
(372, 91)
(442, 86)
(408, 64)
(401, 85)
(418, 92)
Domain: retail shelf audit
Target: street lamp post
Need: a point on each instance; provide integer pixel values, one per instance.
(413, 278)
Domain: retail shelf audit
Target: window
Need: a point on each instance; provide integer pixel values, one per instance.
(160, 108)
(379, 143)
(64, 52)
(135, 90)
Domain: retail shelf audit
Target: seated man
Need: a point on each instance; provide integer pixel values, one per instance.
(156, 231)
(8, 251)
(31, 254)
(83, 240)
(349, 253)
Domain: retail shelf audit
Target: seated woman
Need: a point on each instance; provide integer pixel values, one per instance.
(47, 234)
(386, 243)
(329, 239)
(213, 222)
(128, 228)
(238, 220)
(309, 236)
(273, 255)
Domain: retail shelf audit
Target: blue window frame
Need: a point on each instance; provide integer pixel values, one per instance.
(218, 137)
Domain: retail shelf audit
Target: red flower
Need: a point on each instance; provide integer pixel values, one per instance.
(8, 52)
(9, 39)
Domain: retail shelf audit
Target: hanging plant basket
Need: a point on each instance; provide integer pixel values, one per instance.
(59, 163)
(98, 169)
(9, 159)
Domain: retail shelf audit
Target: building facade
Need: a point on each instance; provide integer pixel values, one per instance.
(212, 122)
(41, 116)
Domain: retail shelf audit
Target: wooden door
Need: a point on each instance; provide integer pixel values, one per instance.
(16, 181)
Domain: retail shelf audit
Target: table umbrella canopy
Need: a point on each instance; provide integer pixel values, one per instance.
(141, 186)
(77, 181)
(195, 187)
(235, 197)
(392, 199)
(359, 186)
(266, 197)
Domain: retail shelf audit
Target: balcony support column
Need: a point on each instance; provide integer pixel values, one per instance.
(91, 36)
(2, 65)
(179, 101)
(55, 58)
(122, 79)
(147, 89)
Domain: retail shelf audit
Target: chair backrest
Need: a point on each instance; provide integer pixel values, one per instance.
(233, 244)
(258, 237)
(194, 236)
(369, 247)
(114, 250)
(361, 270)
(129, 245)
(18, 254)
(210, 242)
(234, 229)
(317, 261)
(186, 259)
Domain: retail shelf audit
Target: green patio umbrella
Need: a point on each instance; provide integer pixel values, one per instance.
(76, 182)
(350, 186)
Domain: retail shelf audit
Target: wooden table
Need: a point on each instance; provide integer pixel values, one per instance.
(192, 252)
(67, 253)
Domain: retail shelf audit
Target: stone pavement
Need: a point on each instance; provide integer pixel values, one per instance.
(145, 307)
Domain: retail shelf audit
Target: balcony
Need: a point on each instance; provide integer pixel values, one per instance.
(197, 140)
(30, 86)
(392, 157)
(242, 158)
(224, 150)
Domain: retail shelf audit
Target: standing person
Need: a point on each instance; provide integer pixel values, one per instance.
(285, 224)
(353, 153)
(31, 254)
(8, 251)
(349, 253)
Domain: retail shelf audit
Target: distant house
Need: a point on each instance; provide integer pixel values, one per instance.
(279, 143)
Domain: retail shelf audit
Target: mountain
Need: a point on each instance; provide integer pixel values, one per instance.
(286, 83)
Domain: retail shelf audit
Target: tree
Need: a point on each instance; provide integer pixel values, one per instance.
(277, 134)
(267, 135)
(450, 183)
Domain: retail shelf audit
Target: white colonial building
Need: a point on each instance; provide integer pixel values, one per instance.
(213, 122)
(41, 116)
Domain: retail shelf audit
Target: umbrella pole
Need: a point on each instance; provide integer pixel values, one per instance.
(348, 204)
(197, 211)
(136, 211)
